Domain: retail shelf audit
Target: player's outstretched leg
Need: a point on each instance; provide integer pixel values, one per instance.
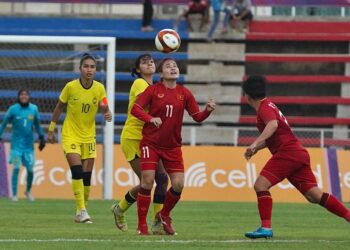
(160, 191)
(328, 201)
(119, 209)
(265, 209)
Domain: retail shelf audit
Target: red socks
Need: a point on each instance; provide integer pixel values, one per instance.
(171, 199)
(265, 208)
(334, 206)
(143, 202)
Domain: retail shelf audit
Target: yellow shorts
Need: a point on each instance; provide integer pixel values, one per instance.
(130, 148)
(85, 150)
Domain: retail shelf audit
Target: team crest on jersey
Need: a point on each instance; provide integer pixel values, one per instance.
(31, 117)
(161, 95)
(180, 97)
(94, 101)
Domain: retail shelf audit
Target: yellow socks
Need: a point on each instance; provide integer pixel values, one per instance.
(157, 207)
(86, 194)
(125, 203)
(78, 190)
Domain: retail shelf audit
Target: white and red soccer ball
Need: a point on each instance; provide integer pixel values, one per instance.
(167, 41)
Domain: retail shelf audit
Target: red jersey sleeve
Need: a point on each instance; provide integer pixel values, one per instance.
(193, 108)
(143, 101)
(267, 113)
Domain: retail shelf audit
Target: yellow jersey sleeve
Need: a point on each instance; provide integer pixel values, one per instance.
(133, 126)
(138, 87)
(64, 94)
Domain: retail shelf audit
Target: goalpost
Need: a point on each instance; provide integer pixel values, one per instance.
(105, 47)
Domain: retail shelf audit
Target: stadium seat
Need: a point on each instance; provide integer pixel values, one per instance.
(302, 120)
(299, 31)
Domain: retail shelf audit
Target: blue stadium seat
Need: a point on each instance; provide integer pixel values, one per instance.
(66, 75)
(18, 53)
(48, 26)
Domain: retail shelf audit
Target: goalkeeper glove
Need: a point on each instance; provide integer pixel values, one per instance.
(42, 142)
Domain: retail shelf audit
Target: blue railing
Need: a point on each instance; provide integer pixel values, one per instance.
(18, 53)
(31, 74)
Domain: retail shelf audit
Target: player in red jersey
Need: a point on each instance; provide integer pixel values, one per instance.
(166, 102)
(289, 159)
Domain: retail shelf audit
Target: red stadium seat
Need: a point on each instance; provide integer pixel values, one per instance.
(299, 31)
(262, 57)
(307, 142)
(302, 120)
(307, 79)
(306, 100)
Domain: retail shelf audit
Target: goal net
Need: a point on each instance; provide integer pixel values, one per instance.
(43, 65)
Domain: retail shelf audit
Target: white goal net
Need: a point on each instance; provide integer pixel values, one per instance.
(43, 65)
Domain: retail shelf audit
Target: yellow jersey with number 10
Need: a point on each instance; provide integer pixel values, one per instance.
(82, 106)
(133, 126)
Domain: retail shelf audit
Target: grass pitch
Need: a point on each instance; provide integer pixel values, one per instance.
(48, 224)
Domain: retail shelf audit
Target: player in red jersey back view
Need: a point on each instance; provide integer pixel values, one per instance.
(289, 159)
(166, 102)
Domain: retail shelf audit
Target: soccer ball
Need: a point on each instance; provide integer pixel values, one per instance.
(167, 41)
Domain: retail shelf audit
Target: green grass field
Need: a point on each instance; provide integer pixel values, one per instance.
(47, 224)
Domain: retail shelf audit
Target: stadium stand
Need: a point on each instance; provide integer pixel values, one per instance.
(302, 72)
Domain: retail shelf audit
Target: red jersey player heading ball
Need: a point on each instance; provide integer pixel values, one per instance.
(166, 102)
(289, 159)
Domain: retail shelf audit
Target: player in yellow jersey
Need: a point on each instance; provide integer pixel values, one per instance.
(83, 98)
(130, 143)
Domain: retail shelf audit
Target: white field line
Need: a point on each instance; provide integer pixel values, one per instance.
(296, 241)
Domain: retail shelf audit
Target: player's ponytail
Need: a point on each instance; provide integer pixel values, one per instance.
(134, 72)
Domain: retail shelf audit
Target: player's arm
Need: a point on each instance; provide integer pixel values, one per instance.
(39, 129)
(6, 120)
(55, 116)
(138, 111)
(260, 142)
(193, 109)
(103, 105)
(61, 104)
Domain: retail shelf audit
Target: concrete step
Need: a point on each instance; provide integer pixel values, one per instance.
(221, 94)
(215, 72)
(230, 36)
(217, 51)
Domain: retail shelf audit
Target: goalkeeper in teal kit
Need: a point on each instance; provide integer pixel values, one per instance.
(24, 116)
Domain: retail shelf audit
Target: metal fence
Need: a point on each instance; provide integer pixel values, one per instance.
(235, 136)
(243, 136)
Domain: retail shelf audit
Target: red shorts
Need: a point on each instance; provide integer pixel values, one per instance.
(293, 165)
(171, 158)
